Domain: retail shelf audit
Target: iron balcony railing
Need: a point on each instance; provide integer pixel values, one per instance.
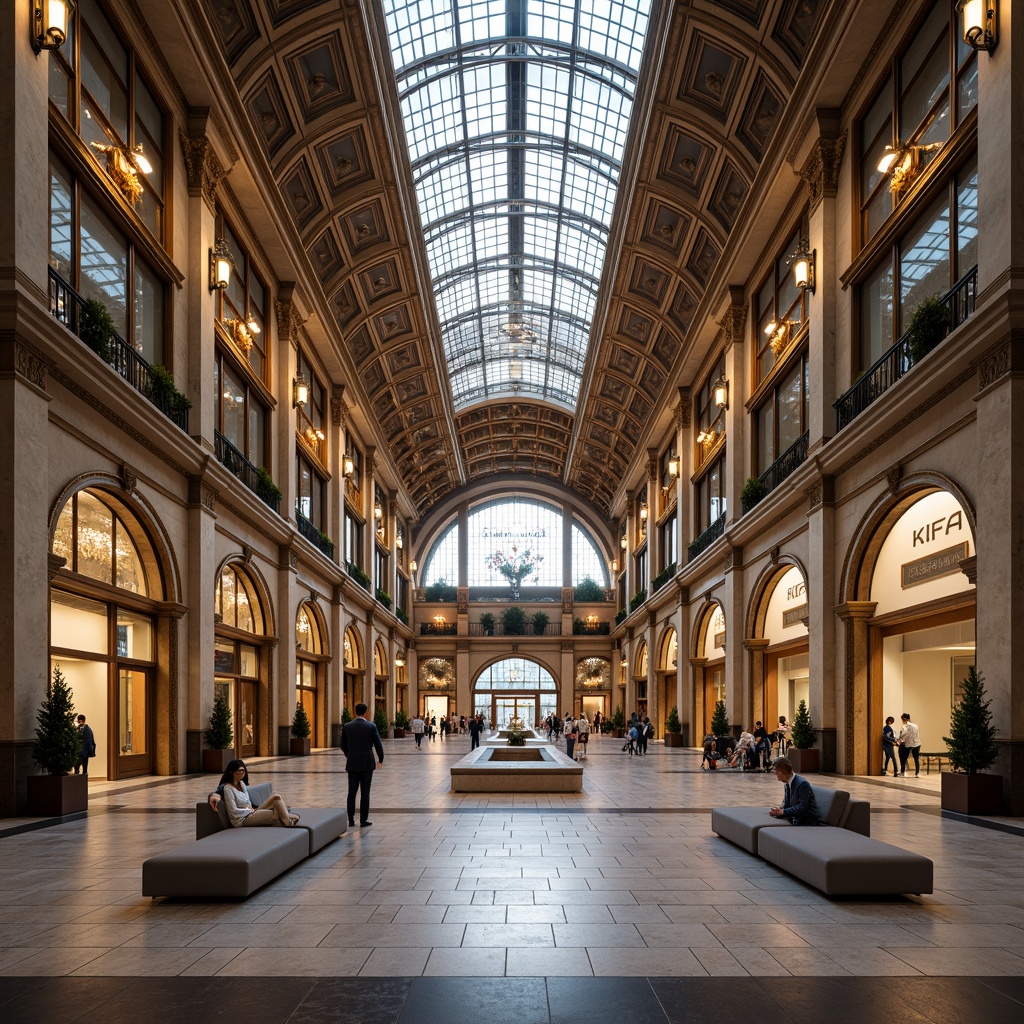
(904, 355)
(707, 538)
(309, 530)
(785, 464)
(498, 629)
(357, 574)
(439, 629)
(66, 306)
(238, 465)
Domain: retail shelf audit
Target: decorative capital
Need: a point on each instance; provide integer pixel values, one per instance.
(685, 407)
(734, 322)
(339, 408)
(247, 554)
(820, 171)
(203, 169)
(129, 479)
(289, 322)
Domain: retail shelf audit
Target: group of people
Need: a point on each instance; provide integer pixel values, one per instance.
(907, 743)
(751, 752)
(429, 727)
(576, 731)
(639, 732)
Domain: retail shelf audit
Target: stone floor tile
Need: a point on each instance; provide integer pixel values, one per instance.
(269, 936)
(287, 963)
(465, 915)
(548, 963)
(475, 963)
(400, 935)
(524, 935)
(597, 935)
(661, 963)
(141, 962)
(395, 962)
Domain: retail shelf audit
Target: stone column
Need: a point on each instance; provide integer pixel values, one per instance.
(700, 712)
(756, 647)
(826, 683)
(1000, 400)
(653, 678)
(654, 565)
(284, 694)
(736, 373)
(853, 752)
(336, 667)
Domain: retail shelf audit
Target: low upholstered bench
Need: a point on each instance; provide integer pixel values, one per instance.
(321, 824)
(743, 825)
(234, 862)
(843, 863)
(838, 856)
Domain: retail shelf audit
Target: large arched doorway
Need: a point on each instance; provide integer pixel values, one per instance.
(104, 625)
(910, 619)
(241, 666)
(381, 675)
(515, 688)
(352, 685)
(667, 676)
(708, 661)
(779, 650)
(311, 660)
(640, 678)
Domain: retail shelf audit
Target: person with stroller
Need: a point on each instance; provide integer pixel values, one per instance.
(712, 755)
(744, 750)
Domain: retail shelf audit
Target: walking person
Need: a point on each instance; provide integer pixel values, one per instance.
(432, 729)
(582, 736)
(910, 743)
(88, 748)
(570, 736)
(444, 728)
(476, 726)
(418, 729)
(644, 732)
(359, 741)
(889, 747)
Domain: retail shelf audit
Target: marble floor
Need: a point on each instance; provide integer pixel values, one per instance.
(625, 880)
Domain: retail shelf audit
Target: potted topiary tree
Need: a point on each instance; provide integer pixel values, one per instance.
(219, 737)
(588, 589)
(380, 719)
(57, 750)
(401, 724)
(540, 622)
(301, 729)
(720, 726)
(618, 723)
(972, 750)
(346, 716)
(802, 752)
(487, 623)
(673, 729)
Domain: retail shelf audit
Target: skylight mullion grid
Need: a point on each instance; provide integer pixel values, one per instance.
(525, 233)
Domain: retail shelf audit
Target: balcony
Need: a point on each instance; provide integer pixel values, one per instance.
(707, 538)
(358, 575)
(153, 383)
(257, 480)
(786, 464)
(313, 535)
(663, 577)
(439, 629)
(498, 629)
(904, 355)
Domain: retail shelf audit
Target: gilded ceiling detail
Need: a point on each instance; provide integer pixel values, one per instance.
(306, 82)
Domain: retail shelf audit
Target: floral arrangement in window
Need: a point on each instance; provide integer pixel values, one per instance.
(514, 566)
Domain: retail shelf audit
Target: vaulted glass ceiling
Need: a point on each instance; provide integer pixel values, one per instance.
(516, 113)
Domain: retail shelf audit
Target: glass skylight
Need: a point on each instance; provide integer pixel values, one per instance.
(516, 114)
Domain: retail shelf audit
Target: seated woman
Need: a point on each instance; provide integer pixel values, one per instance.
(273, 810)
(712, 754)
(744, 749)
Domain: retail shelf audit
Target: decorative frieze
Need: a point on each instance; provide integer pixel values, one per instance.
(820, 171)
(30, 365)
(995, 363)
(203, 169)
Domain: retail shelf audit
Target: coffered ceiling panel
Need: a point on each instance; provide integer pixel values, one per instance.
(305, 74)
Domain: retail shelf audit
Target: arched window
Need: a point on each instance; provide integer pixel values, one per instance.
(310, 657)
(107, 652)
(527, 525)
(237, 671)
(515, 688)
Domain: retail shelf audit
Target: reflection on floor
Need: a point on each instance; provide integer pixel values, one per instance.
(623, 880)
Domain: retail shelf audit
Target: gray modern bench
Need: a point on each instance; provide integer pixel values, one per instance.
(839, 857)
(233, 863)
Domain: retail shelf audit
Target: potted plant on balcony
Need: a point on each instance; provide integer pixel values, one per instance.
(803, 755)
(588, 590)
(540, 622)
(96, 328)
(219, 737)
(753, 491)
(301, 729)
(972, 750)
(439, 590)
(673, 729)
(487, 623)
(929, 324)
(513, 621)
(401, 724)
(57, 750)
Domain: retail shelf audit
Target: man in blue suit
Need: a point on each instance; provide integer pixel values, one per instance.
(359, 740)
(798, 804)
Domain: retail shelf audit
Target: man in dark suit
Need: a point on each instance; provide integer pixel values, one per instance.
(359, 740)
(88, 746)
(798, 804)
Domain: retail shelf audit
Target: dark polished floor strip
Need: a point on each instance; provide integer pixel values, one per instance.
(266, 1000)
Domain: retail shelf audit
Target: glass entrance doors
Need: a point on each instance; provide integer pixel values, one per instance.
(521, 707)
(132, 704)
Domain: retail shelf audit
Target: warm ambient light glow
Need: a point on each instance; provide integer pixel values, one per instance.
(720, 393)
(614, 565)
(50, 24)
(412, 565)
(889, 157)
(980, 20)
(803, 268)
(221, 265)
(300, 390)
(643, 511)
(673, 467)
(348, 466)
